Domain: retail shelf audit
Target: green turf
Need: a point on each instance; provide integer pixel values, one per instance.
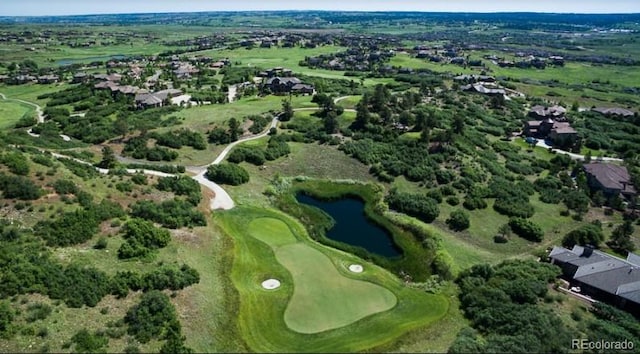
(271, 231)
(324, 299)
(261, 314)
(11, 112)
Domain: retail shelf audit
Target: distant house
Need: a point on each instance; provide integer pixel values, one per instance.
(282, 84)
(601, 276)
(155, 99)
(560, 133)
(80, 78)
(485, 89)
(48, 79)
(474, 78)
(611, 179)
(550, 124)
(303, 89)
(620, 112)
(542, 112)
(557, 60)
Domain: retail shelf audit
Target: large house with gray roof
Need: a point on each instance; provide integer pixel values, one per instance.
(611, 179)
(601, 275)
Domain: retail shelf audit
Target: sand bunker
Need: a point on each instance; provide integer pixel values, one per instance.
(356, 268)
(271, 284)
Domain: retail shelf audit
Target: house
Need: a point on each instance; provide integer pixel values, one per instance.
(80, 78)
(474, 78)
(155, 99)
(282, 84)
(620, 112)
(541, 112)
(560, 133)
(48, 79)
(303, 89)
(485, 89)
(601, 275)
(611, 179)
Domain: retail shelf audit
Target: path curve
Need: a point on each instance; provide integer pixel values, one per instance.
(543, 144)
(39, 115)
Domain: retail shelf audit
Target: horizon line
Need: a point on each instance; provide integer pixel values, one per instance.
(325, 10)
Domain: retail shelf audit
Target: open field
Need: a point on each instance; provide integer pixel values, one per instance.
(262, 314)
(11, 112)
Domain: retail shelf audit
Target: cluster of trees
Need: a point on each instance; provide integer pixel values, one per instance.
(27, 266)
(227, 173)
(512, 198)
(179, 138)
(221, 136)
(458, 220)
(78, 226)
(19, 187)
(590, 234)
(421, 206)
(142, 238)
(16, 162)
(181, 185)
(501, 303)
(526, 229)
(138, 148)
(174, 214)
(276, 147)
(154, 317)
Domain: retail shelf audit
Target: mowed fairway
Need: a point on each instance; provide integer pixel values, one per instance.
(11, 112)
(323, 298)
(320, 305)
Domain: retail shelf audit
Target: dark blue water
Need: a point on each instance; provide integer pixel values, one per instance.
(90, 59)
(352, 226)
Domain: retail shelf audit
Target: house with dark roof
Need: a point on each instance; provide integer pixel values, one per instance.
(551, 124)
(620, 112)
(286, 85)
(601, 275)
(484, 88)
(611, 179)
(155, 99)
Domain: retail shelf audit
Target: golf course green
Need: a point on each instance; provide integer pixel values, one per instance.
(320, 306)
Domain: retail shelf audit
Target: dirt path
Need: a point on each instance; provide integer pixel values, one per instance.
(543, 144)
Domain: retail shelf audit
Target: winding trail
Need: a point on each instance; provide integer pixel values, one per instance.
(543, 144)
(39, 115)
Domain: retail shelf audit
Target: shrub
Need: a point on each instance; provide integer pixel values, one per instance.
(227, 174)
(526, 229)
(141, 238)
(453, 200)
(418, 205)
(458, 220)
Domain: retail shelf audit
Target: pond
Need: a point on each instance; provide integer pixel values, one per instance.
(69, 61)
(352, 226)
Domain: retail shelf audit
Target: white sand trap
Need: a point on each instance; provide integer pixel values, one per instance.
(271, 284)
(356, 268)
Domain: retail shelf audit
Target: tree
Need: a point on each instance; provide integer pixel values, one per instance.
(585, 235)
(458, 220)
(620, 240)
(363, 117)
(121, 126)
(287, 110)
(458, 124)
(108, 158)
(234, 127)
(227, 173)
(6, 317)
(152, 317)
(331, 123)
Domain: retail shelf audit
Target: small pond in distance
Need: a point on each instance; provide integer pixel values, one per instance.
(352, 226)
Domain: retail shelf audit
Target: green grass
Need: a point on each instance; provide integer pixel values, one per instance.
(323, 298)
(11, 112)
(261, 314)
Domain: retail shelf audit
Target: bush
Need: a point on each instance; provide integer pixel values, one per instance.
(65, 186)
(453, 200)
(227, 173)
(526, 229)
(142, 238)
(152, 317)
(181, 185)
(458, 220)
(173, 214)
(418, 205)
(585, 235)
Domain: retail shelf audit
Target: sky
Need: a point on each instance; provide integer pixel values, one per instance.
(81, 7)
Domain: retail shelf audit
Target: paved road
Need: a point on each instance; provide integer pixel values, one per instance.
(543, 144)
